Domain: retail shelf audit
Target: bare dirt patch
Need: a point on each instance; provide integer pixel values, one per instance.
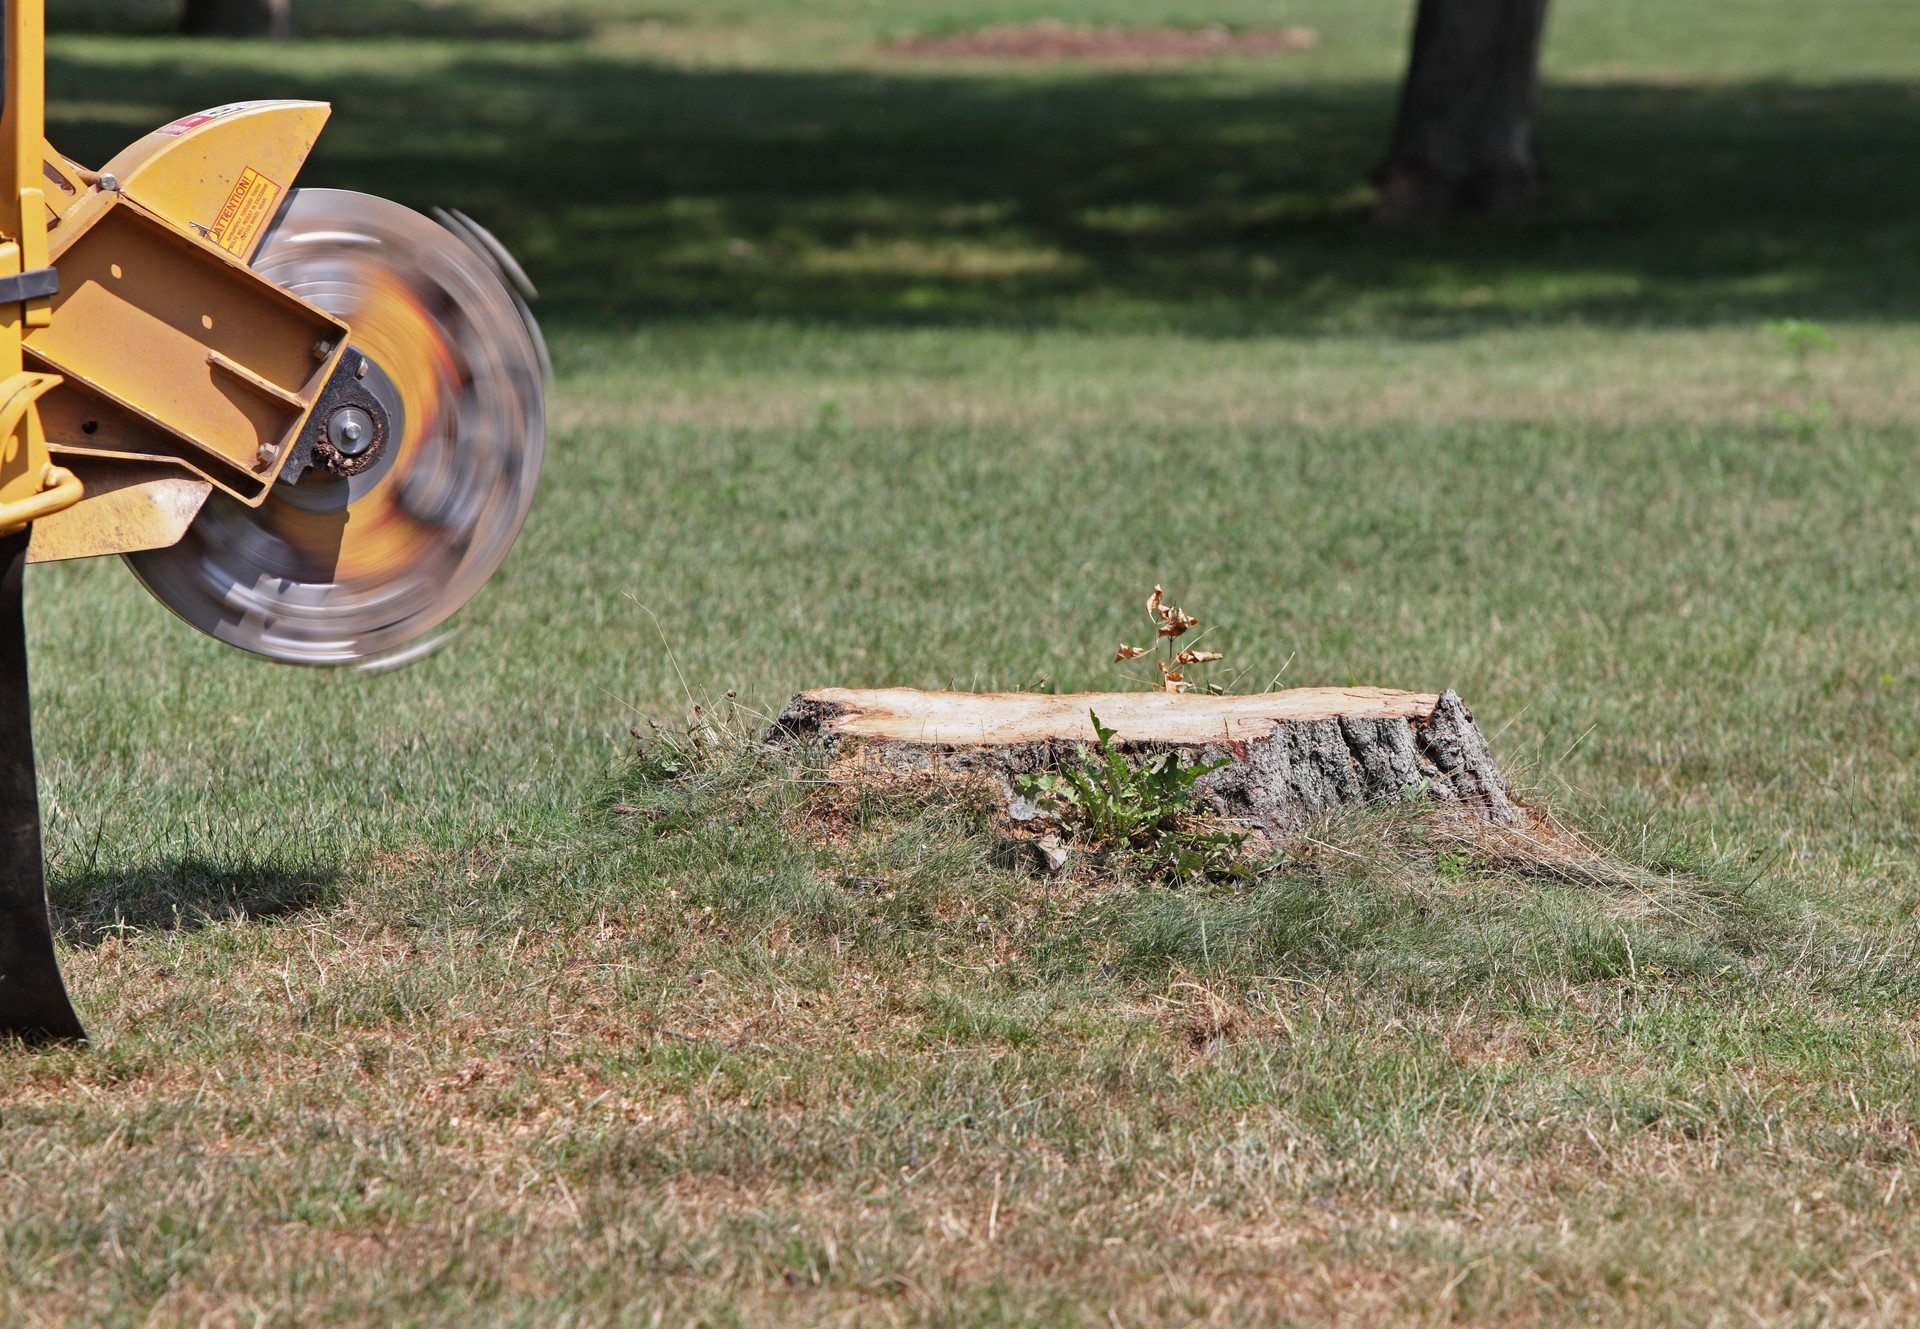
(1050, 42)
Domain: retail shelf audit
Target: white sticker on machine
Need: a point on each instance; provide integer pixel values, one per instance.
(198, 118)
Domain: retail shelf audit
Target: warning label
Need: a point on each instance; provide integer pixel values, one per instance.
(248, 208)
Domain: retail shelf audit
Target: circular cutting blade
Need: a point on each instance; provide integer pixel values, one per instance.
(334, 570)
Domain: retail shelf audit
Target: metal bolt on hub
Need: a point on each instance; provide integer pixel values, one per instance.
(350, 429)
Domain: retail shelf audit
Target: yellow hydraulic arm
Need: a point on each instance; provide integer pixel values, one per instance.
(31, 486)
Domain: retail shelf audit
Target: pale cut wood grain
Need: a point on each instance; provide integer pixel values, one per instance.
(1291, 756)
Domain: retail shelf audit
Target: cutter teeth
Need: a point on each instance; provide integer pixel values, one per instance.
(509, 267)
(338, 570)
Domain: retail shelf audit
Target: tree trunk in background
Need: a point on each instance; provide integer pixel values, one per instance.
(238, 18)
(1463, 142)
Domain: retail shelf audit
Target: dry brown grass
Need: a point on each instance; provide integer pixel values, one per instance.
(776, 1043)
(674, 1107)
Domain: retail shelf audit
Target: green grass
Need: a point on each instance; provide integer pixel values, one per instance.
(884, 373)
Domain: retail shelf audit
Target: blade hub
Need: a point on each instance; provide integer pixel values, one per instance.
(350, 430)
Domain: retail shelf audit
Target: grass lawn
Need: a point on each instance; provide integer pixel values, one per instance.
(416, 1000)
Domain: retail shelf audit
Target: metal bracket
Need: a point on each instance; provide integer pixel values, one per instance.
(37, 284)
(314, 448)
(59, 488)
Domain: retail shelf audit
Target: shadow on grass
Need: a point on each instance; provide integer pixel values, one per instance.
(1217, 203)
(336, 18)
(182, 893)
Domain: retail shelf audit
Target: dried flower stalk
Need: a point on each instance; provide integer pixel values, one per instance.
(1170, 622)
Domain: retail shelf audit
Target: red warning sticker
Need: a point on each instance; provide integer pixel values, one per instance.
(198, 118)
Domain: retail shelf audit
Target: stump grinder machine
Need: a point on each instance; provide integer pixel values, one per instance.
(310, 420)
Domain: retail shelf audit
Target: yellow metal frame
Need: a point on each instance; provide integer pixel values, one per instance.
(56, 488)
(31, 486)
(164, 368)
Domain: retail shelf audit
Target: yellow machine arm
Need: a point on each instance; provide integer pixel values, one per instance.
(220, 175)
(311, 420)
(30, 485)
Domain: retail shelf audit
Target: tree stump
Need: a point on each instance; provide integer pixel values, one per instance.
(1292, 756)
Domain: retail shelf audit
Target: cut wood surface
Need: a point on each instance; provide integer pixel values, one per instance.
(1292, 756)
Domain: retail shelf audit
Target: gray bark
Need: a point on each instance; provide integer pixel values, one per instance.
(1283, 771)
(1464, 139)
(238, 18)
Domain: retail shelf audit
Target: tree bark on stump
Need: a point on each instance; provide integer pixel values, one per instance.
(1463, 142)
(238, 18)
(1292, 756)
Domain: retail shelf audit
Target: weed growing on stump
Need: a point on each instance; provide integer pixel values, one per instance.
(1144, 813)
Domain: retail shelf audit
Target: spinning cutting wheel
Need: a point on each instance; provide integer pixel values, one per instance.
(335, 568)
